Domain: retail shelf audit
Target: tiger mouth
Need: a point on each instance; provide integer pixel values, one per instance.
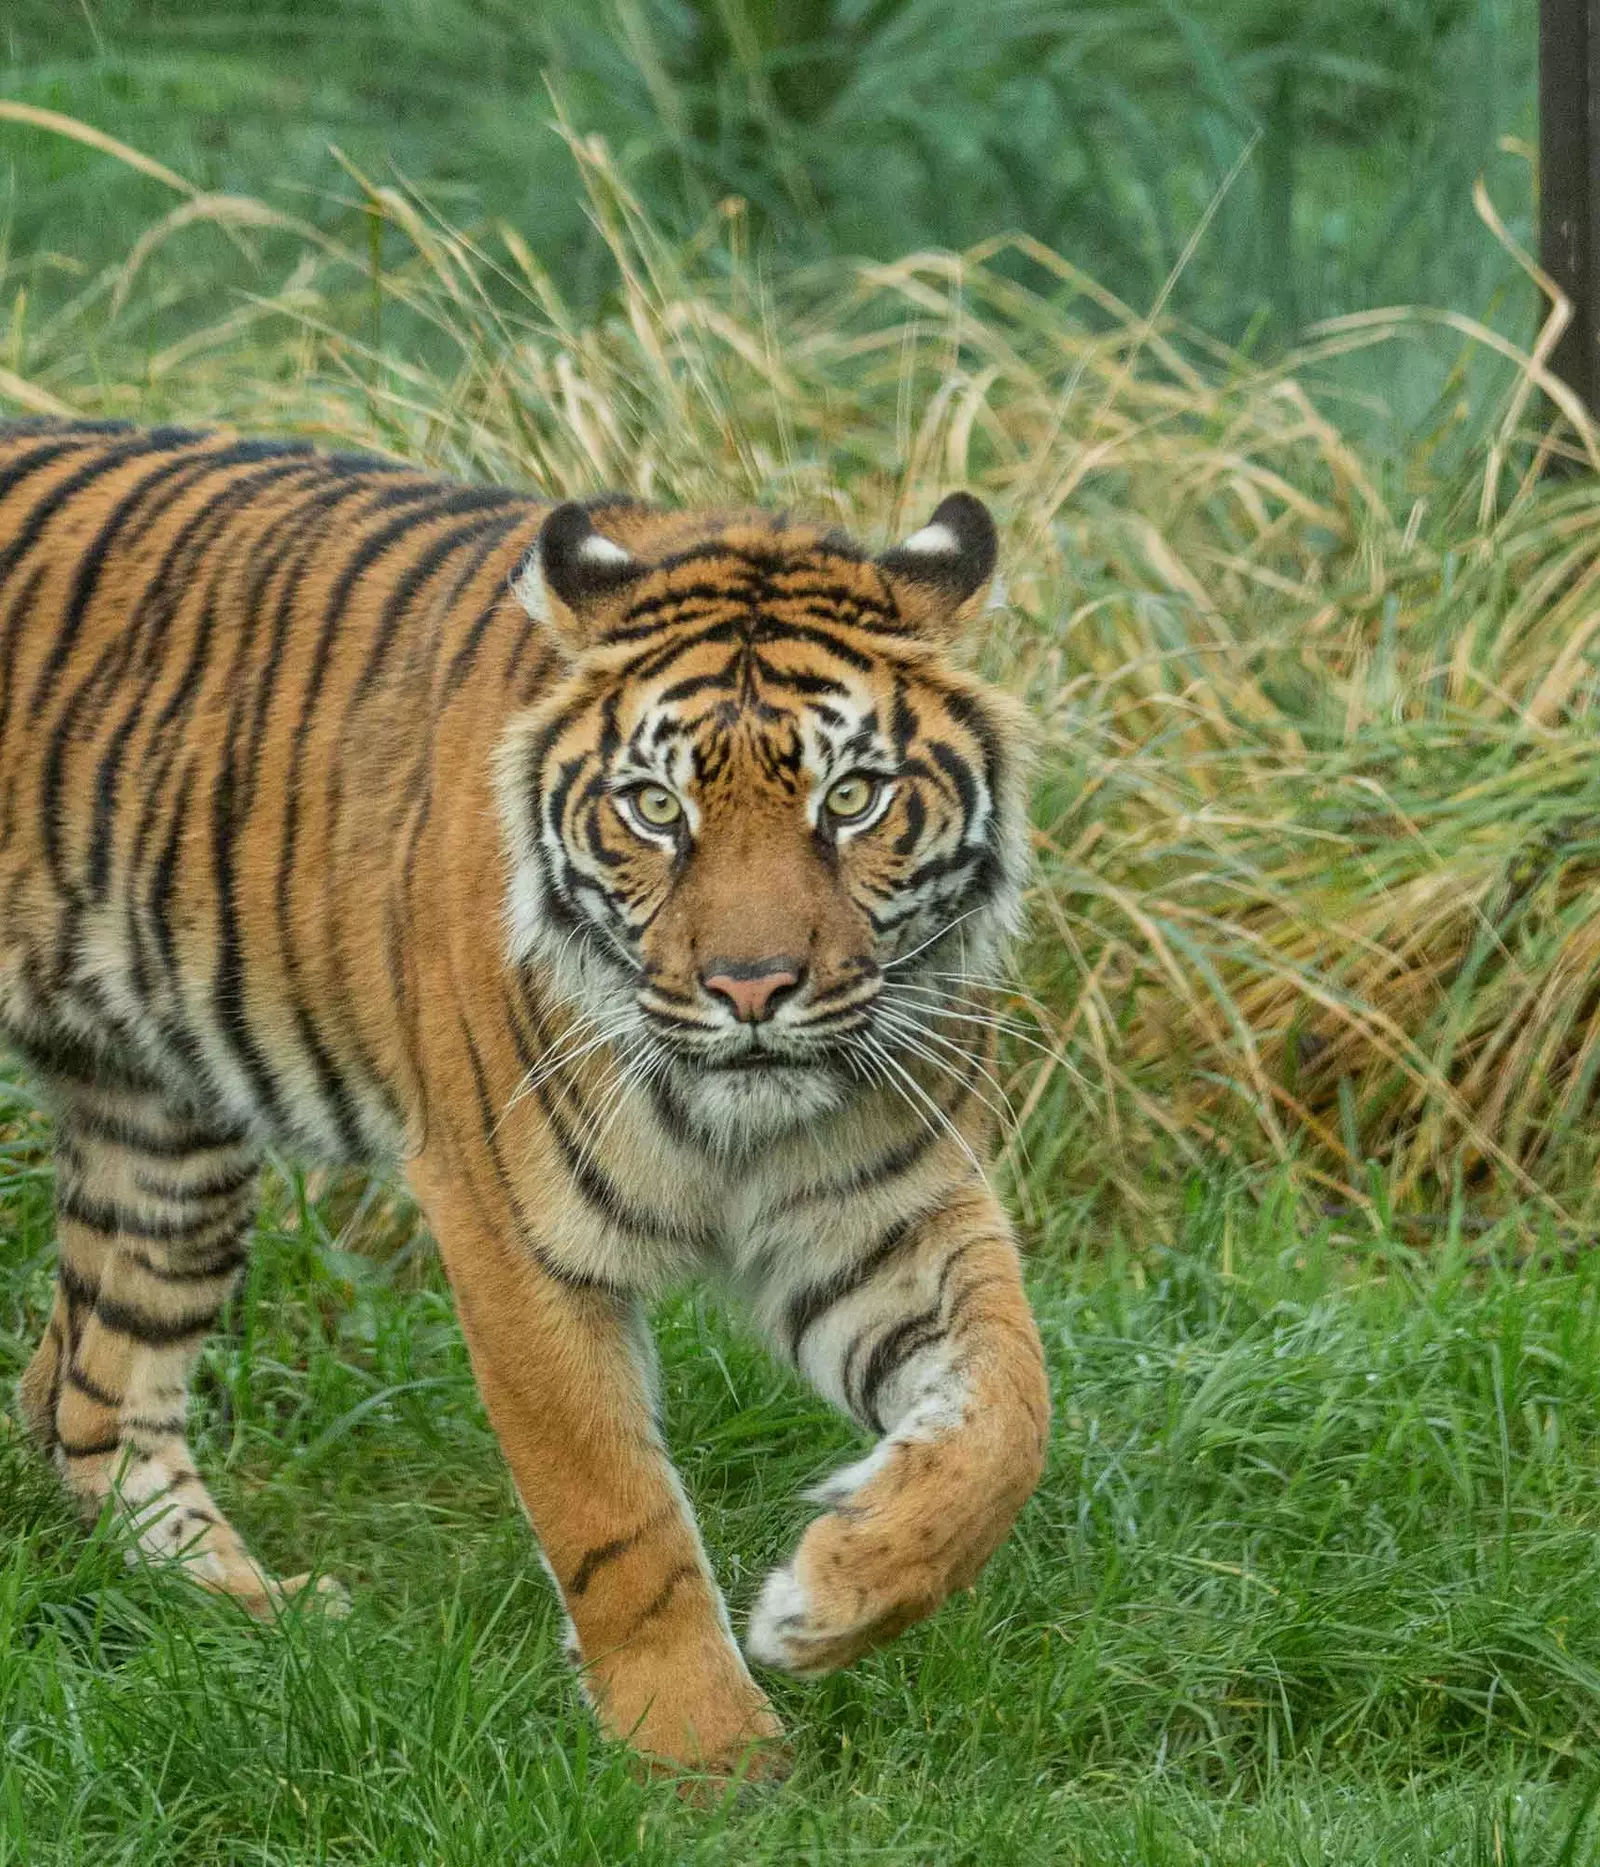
(761, 1060)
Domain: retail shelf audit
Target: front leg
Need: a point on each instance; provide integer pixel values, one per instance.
(928, 1340)
(565, 1379)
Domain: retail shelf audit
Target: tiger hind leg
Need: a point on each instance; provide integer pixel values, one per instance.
(153, 1210)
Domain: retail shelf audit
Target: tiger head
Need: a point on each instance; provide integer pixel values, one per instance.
(764, 810)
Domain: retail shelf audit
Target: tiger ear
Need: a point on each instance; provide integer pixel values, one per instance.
(939, 574)
(574, 578)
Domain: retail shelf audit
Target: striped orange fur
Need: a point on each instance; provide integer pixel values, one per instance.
(630, 877)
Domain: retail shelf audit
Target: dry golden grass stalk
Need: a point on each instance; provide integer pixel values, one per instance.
(1318, 813)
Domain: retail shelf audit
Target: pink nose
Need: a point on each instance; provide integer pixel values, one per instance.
(751, 987)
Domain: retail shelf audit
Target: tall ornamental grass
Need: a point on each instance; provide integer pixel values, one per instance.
(1318, 801)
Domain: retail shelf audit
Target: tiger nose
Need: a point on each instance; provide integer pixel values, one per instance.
(752, 986)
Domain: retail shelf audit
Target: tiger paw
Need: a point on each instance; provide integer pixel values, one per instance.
(263, 1597)
(847, 1589)
(685, 1719)
(317, 1594)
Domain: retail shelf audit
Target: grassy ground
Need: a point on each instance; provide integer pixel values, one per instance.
(1311, 1579)
(1312, 1575)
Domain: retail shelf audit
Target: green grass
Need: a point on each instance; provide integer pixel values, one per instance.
(1315, 934)
(1311, 1578)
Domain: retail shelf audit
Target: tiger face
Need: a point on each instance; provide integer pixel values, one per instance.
(762, 792)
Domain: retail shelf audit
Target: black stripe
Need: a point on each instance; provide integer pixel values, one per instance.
(89, 1448)
(936, 868)
(781, 630)
(21, 467)
(219, 1264)
(657, 1603)
(893, 1350)
(165, 742)
(887, 1166)
(798, 680)
(472, 541)
(308, 521)
(596, 1559)
(77, 1289)
(91, 558)
(230, 1013)
(19, 613)
(185, 1476)
(162, 597)
(370, 548)
(169, 1428)
(124, 1132)
(154, 1331)
(44, 509)
(399, 946)
(447, 503)
(91, 1389)
(914, 1334)
(489, 1122)
(916, 823)
(145, 502)
(655, 660)
(467, 652)
(113, 1221)
(397, 602)
(959, 772)
(161, 754)
(216, 1186)
(809, 1304)
(722, 680)
(232, 798)
(969, 714)
(164, 877)
(601, 1192)
(342, 1103)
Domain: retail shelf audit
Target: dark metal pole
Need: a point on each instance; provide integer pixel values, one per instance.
(1569, 180)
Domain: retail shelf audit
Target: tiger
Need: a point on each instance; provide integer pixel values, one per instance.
(626, 878)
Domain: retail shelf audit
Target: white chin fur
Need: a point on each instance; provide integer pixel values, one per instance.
(738, 1108)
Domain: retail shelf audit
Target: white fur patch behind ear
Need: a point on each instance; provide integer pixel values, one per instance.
(935, 541)
(528, 587)
(528, 583)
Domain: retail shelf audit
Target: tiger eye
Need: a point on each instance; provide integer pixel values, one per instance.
(656, 804)
(851, 797)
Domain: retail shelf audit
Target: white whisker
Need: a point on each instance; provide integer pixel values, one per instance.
(945, 1008)
(940, 1119)
(613, 1103)
(948, 927)
(568, 1050)
(917, 1038)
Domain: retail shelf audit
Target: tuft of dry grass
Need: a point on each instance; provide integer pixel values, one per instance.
(1318, 812)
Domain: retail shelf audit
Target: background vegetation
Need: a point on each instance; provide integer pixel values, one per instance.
(864, 127)
(1310, 1030)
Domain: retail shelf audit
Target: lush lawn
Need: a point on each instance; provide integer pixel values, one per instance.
(1313, 1577)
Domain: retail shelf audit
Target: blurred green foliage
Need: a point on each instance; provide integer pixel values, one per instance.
(867, 127)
